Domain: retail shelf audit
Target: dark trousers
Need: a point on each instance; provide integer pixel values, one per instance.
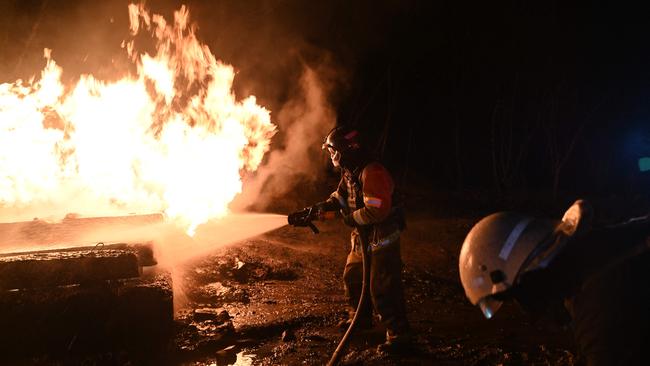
(386, 292)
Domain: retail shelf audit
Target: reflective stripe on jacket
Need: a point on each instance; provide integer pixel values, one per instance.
(368, 195)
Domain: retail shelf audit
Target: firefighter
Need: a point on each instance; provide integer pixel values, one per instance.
(594, 280)
(365, 197)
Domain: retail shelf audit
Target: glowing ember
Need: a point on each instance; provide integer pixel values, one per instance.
(171, 139)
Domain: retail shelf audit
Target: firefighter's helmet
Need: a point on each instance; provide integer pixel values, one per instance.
(504, 245)
(341, 142)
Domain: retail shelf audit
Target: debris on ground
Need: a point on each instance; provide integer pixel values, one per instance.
(277, 298)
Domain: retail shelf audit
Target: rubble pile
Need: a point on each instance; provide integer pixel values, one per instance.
(81, 300)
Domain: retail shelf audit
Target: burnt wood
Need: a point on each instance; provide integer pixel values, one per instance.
(70, 266)
(129, 314)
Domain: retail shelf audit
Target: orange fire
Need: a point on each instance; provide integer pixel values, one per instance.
(173, 138)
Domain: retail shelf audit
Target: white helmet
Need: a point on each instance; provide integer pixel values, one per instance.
(503, 245)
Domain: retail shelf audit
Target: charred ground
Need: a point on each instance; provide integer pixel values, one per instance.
(284, 295)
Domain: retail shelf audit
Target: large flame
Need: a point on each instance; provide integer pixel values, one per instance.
(173, 138)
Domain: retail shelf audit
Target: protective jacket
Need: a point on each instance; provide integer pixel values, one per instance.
(368, 193)
(602, 279)
(610, 310)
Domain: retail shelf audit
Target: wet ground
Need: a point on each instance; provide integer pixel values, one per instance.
(275, 300)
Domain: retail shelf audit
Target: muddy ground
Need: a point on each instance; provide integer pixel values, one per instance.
(275, 300)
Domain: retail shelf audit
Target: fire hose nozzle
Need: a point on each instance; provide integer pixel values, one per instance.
(304, 218)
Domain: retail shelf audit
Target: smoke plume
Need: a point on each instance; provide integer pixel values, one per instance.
(303, 121)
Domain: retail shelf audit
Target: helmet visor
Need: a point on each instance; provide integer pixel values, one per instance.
(489, 305)
(335, 155)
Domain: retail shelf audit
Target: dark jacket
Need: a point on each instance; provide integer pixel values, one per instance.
(602, 280)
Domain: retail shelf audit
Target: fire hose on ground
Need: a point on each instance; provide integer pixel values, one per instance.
(366, 255)
(304, 218)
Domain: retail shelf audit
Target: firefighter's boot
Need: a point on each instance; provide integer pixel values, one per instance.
(396, 343)
(363, 323)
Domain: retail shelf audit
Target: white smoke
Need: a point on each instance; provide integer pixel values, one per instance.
(303, 123)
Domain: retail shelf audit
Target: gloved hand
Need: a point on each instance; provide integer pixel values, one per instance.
(303, 217)
(349, 220)
(318, 209)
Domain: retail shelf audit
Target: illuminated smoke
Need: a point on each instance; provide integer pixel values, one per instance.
(304, 120)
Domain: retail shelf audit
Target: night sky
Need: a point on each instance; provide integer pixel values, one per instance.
(498, 97)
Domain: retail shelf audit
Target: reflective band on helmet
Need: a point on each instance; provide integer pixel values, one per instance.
(512, 238)
(351, 134)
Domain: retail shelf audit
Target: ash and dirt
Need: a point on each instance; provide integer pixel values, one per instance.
(275, 299)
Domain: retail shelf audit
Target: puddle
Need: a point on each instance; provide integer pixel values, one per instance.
(241, 359)
(244, 359)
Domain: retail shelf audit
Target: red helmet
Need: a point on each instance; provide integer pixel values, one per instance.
(341, 142)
